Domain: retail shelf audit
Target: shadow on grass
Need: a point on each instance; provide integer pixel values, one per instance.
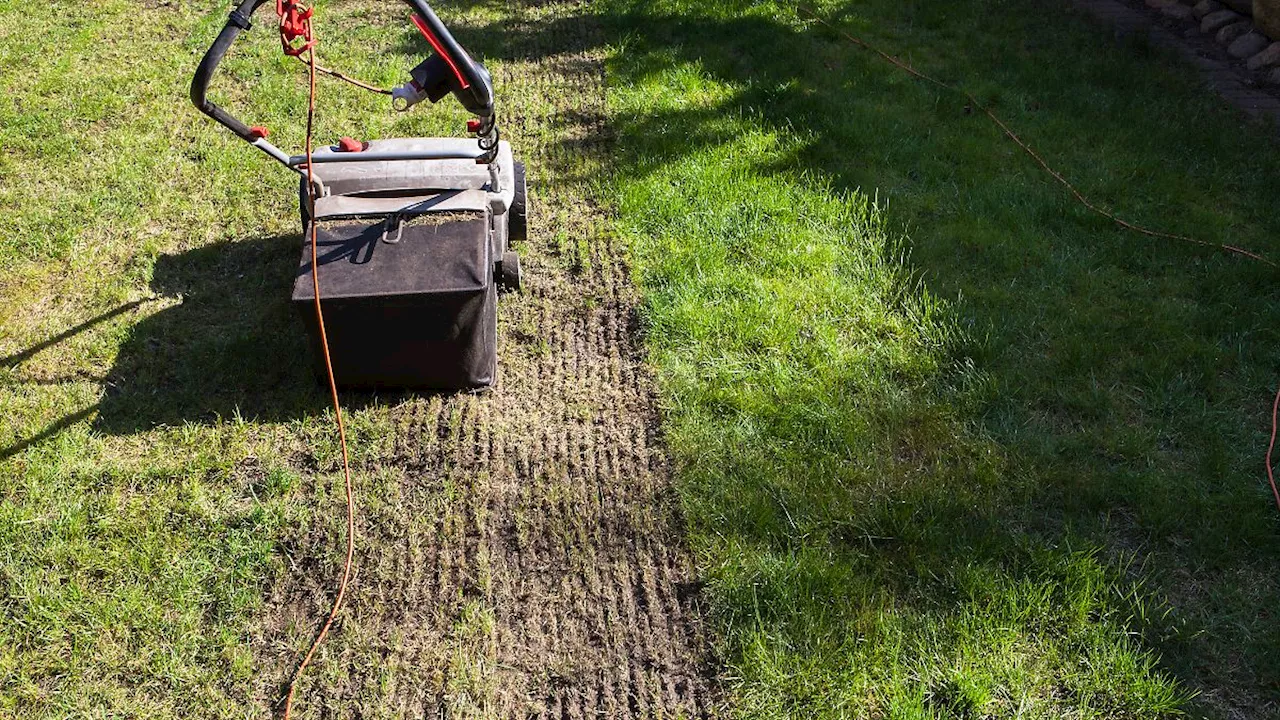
(1120, 384)
(231, 345)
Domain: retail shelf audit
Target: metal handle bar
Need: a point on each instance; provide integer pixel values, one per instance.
(476, 98)
(237, 22)
(358, 157)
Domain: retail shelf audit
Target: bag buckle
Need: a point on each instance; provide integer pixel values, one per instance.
(396, 221)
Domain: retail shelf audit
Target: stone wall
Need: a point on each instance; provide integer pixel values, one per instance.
(1266, 14)
(1249, 30)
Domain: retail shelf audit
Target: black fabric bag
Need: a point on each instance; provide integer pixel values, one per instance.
(409, 299)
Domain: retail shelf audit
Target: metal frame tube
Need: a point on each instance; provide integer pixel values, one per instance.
(359, 157)
(237, 23)
(478, 98)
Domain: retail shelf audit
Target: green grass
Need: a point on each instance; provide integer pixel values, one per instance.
(162, 444)
(950, 445)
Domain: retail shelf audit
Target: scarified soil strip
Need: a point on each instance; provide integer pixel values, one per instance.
(520, 552)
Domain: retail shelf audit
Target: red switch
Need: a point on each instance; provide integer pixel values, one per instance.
(473, 125)
(347, 144)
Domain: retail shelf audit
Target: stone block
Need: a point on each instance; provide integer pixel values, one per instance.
(1215, 21)
(1248, 45)
(1204, 7)
(1270, 57)
(1228, 34)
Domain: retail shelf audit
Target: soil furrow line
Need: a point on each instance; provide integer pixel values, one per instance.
(531, 560)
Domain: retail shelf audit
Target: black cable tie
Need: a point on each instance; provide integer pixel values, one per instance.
(240, 20)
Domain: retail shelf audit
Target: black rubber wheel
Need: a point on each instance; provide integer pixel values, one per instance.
(509, 277)
(304, 213)
(517, 215)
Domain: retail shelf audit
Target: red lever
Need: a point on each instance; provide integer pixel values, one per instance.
(347, 144)
(258, 132)
(295, 24)
(473, 125)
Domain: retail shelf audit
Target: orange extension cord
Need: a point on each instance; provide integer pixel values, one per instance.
(310, 61)
(973, 102)
(1271, 478)
(333, 391)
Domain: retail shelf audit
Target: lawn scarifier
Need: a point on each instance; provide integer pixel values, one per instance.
(424, 225)
(445, 269)
(520, 552)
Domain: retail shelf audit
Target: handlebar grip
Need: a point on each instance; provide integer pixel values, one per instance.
(236, 23)
(477, 97)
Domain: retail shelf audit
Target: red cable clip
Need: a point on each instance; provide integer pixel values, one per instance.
(295, 24)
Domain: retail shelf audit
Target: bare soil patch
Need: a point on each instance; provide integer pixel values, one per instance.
(521, 552)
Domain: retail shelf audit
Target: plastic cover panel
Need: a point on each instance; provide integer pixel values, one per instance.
(436, 253)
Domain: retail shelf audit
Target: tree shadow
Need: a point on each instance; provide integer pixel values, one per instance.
(1127, 376)
(1093, 381)
(509, 40)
